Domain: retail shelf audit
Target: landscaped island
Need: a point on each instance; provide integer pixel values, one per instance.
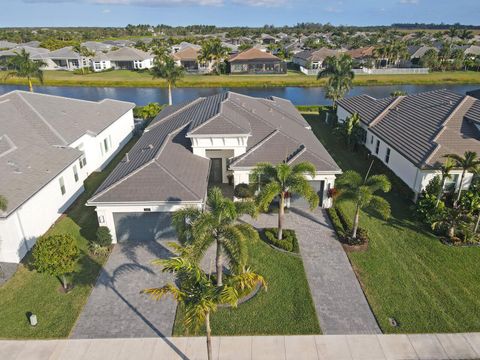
(126, 78)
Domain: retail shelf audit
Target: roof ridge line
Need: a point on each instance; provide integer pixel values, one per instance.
(260, 143)
(52, 129)
(174, 113)
(385, 111)
(302, 150)
(175, 178)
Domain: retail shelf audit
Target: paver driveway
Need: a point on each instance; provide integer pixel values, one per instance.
(339, 300)
(116, 309)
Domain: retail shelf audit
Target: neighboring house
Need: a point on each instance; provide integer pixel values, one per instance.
(313, 59)
(267, 39)
(254, 61)
(127, 58)
(417, 52)
(119, 43)
(5, 45)
(96, 47)
(65, 59)
(35, 53)
(411, 134)
(188, 58)
(48, 146)
(184, 45)
(101, 62)
(472, 51)
(362, 56)
(215, 140)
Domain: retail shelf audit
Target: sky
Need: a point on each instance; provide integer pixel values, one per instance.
(234, 12)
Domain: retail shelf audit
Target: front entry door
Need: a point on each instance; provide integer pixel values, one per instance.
(215, 170)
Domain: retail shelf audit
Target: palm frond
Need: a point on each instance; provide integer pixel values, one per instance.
(378, 182)
(380, 206)
(169, 289)
(267, 194)
(246, 207)
(349, 180)
(234, 246)
(304, 167)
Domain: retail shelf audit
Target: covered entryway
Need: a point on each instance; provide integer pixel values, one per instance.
(143, 226)
(216, 171)
(300, 202)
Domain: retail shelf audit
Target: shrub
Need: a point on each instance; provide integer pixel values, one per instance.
(337, 224)
(288, 243)
(56, 255)
(434, 186)
(243, 191)
(148, 111)
(83, 71)
(426, 211)
(98, 250)
(104, 238)
(344, 227)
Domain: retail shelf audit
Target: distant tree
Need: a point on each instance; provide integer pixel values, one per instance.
(396, 93)
(56, 255)
(148, 111)
(245, 47)
(214, 52)
(3, 203)
(466, 34)
(430, 59)
(24, 67)
(168, 70)
(340, 75)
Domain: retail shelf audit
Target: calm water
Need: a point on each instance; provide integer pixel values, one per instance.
(298, 95)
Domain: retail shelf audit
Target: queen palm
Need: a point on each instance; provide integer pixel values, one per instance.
(213, 51)
(362, 191)
(166, 68)
(217, 225)
(445, 169)
(340, 75)
(468, 162)
(24, 67)
(276, 181)
(199, 295)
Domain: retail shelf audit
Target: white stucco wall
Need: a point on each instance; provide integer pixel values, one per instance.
(18, 232)
(105, 212)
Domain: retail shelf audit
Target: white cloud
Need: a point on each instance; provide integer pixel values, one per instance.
(261, 3)
(139, 2)
(409, 2)
(106, 11)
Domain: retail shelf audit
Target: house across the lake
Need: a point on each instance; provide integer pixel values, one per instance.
(48, 147)
(412, 134)
(216, 140)
(255, 61)
(311, 61)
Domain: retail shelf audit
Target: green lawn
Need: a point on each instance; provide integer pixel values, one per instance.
(29, 291)
(407, 273)
(293, 78)
(285, 308)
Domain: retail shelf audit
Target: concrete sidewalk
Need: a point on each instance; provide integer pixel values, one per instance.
(321, 347)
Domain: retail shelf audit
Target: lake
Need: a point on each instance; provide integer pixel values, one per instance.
(298, 95)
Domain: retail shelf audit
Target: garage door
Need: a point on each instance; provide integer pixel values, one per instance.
(145, 226)
(300, 202)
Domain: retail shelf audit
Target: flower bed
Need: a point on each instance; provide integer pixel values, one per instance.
(288, 243)
(343, 227)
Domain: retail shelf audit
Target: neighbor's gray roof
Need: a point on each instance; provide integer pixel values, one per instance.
(424, 126)
(34, 52)
(96, 46)
(35, 133)
(317, 55)
(64, 53)
(7, 44)
(163, 158)
(128, 54)
(366, 106)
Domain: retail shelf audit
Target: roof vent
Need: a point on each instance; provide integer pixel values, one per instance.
(127, 158)
(150, 146)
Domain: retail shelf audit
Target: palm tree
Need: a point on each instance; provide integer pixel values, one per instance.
(282, 179)
(466, 34)
(84, 52)
(213, 52)
(351, 129)
(352, 186)
(445, 169)
(3, 203)
(166, 68)
(217, 225)
(451, 218)
(468, 162)
(24, 67)
(340, 75)
(199, 295)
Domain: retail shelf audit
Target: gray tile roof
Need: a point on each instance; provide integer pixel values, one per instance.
(35, 130)
(7, 44)
(317, 55)
(424, 126)
(366, 106)
(64, 53)
(275, 133)
(128, 54)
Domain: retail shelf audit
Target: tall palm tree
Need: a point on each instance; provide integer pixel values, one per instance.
(469, 162)
(340, 75)
(445, 169)
(3, 203)
(362, 191)
(24, 67)
(199, 295)
(276, 181)
(84, 52)
(213, 52)
(217, 225)
(166, 68)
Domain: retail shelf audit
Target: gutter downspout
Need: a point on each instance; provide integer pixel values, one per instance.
(415, 186)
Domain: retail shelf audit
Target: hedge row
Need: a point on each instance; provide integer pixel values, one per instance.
(344, 227)
(288, 243)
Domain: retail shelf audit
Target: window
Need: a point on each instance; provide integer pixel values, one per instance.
(106, 145)
(387, 156)
(377, 147)
(62, 185)
(450, 183)
(82, 160)
(75, 173)
(371, 140)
